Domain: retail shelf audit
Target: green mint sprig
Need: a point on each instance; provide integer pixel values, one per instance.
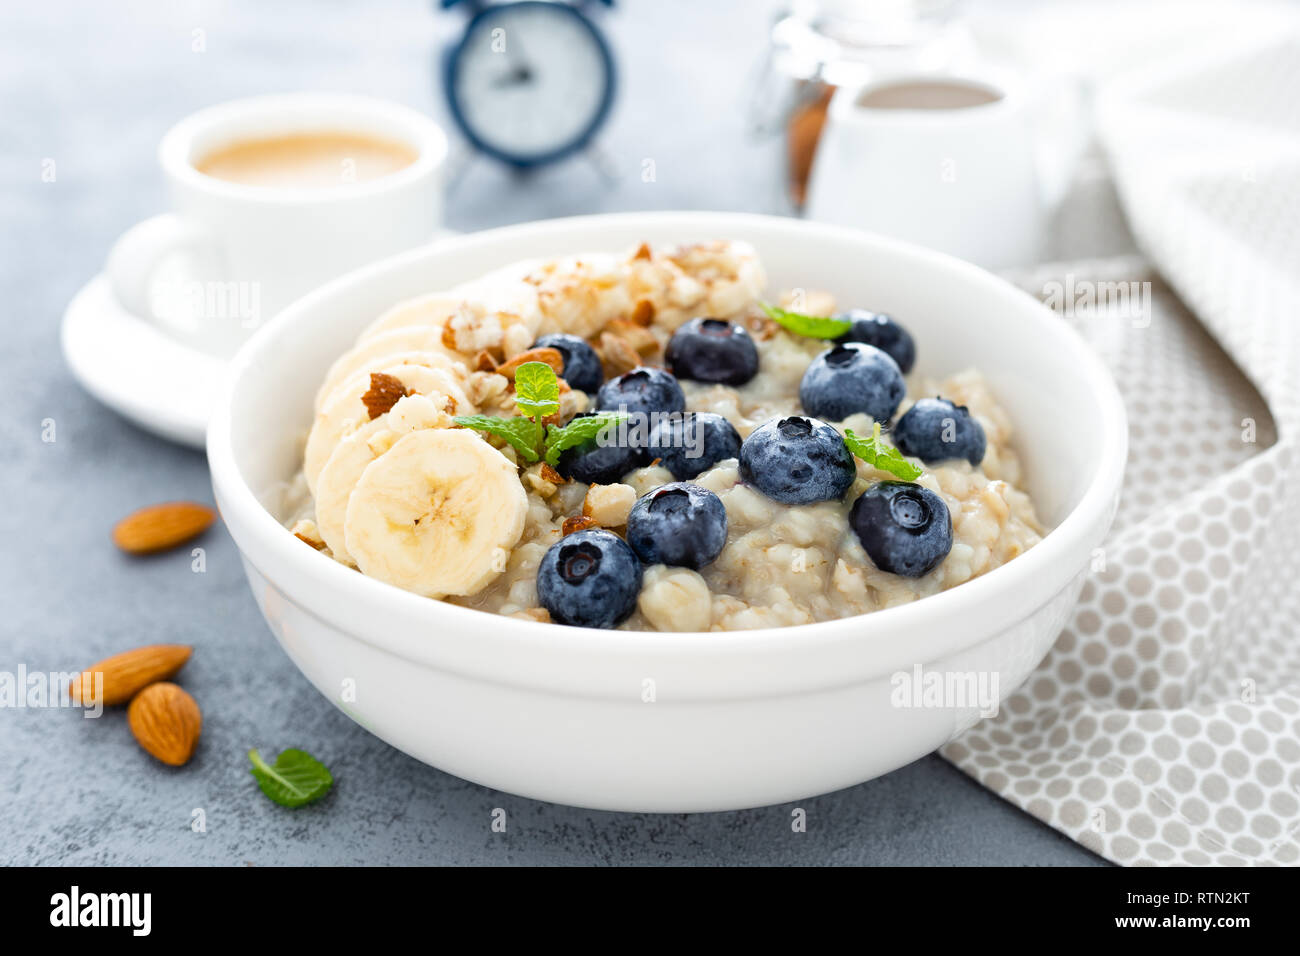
(577, 432)
(537, 390)
(812, 326)
(537, 394)
(878, 453)
(523, 434)
(296, 778)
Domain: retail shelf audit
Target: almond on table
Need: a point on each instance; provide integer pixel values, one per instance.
(166, 723)
(125, 674)
(163, 526)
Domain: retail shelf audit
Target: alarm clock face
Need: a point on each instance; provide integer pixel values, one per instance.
(530, 81)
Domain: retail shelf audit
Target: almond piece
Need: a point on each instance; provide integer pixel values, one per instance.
(616, 355)
(385, 392)
(577, 523)
(166, 722)
(127, 673)
(164, 526)
(551, 357)
(643, 313)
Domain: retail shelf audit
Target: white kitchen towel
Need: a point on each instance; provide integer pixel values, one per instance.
(1164, 727)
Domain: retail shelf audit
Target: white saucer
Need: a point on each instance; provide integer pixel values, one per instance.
(138, 370)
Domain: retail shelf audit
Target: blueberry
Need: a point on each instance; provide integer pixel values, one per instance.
(689, 445)
(589, 579)
(880, 330)
(935, 429)
(797, 460)
(904, 528)
(852, 378)
(599, 464)
(643, 390)
(712, 350)
(581, 363)
(679, 524)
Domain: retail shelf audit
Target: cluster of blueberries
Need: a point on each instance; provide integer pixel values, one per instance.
(592, 578)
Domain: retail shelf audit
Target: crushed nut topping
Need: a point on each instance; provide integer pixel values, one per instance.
(385, 391)
(577, 523)
(643, 313)
(551, 357)
(616, 355)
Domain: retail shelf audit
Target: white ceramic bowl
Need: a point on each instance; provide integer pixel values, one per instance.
(675, 722)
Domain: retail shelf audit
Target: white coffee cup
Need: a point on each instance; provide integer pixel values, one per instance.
(230, 255)
(968, 172)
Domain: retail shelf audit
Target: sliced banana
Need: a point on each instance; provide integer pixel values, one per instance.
(418, 345)
(432, 309)
(343, 412)
(350, 457)
(339, 477)
(436, 514)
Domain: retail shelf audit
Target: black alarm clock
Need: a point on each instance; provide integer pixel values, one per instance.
(529, 82)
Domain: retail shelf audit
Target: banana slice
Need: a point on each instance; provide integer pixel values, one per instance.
(344, 411)
(436, 514)
(339, 477)
(418, 345)
(432, 309)
(476, 313)
(349, 459)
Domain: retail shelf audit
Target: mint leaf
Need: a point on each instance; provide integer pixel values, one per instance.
(523, 434)
(878, 453)
(537, 390)
(813, 326)
(296, 778)
(577, 432)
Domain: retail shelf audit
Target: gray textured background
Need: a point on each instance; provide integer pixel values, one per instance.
(93, 85)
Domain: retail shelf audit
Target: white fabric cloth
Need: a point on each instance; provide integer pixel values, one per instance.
(1164, 727)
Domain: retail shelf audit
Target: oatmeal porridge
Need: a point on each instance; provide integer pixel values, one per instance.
(638, 441)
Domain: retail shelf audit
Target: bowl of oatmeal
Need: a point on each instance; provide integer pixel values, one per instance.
(666, 511)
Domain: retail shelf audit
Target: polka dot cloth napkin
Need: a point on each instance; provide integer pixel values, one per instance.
(1164, 726)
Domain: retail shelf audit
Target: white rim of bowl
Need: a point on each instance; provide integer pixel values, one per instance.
(925, 626)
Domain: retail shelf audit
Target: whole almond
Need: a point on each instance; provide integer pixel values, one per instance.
(550, 356)
(127, 673)
(166, 722)
(163, 526)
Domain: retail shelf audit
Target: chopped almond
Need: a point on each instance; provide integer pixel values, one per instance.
(643, 313)
(578, 523)
(385, 392)
(639, 338)
(551, 357)
(616, 355)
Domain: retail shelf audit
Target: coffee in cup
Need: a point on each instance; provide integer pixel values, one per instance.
(927, 95)
(306, 160)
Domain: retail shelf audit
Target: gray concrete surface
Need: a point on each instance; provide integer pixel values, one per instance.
(93, 85)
